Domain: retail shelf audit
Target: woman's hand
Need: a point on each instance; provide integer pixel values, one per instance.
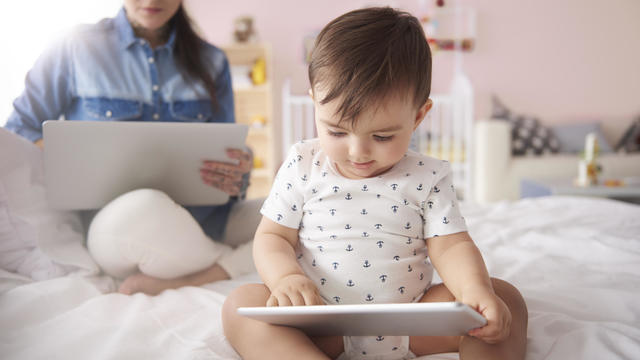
(296, 290)
(498, 316)
(225, 176)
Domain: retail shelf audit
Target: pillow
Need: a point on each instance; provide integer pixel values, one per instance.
(630, 140)
(572, 137)
(528, 136)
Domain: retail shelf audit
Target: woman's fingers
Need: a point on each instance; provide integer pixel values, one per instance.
(224, 176)
(245, 163)
(224, 169)
(225, 183)
(243, 157)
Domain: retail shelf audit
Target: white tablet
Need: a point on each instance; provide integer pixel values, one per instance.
(425, 319)
(89, 163)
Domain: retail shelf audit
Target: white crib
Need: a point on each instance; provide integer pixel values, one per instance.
(297, 117)
(445, 133)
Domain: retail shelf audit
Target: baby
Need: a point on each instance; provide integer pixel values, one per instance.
(353, 215)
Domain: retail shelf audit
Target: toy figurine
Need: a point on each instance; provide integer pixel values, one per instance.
(259, 72)
(243, 29)
(588, 167)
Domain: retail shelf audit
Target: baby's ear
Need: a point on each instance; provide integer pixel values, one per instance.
(422, 112)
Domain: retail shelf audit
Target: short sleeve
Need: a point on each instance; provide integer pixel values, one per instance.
(441, 211)
(285, 200)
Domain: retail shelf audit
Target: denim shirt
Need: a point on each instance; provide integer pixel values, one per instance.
(104, 72)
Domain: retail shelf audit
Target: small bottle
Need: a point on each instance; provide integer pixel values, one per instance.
(590, 147)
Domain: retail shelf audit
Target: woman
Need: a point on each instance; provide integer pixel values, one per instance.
(147, 64)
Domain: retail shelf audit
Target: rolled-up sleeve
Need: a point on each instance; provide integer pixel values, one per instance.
(224, 92)
(47, 93)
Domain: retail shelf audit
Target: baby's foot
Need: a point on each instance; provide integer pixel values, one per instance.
(145, 284)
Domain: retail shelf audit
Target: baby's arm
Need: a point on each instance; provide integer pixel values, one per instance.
(275, 258)
(461, 267)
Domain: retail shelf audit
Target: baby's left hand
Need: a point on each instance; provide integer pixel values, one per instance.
(498, 315)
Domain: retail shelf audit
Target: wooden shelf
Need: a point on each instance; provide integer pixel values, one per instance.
(263, 88)
(255, 102)
(261, 173)
(256, 132)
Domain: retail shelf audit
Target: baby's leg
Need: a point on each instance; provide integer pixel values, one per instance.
(254, 339)
(513, 347)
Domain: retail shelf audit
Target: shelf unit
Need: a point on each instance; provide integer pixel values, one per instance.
(255, 102)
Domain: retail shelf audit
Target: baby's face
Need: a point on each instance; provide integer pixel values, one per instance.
(379, 140)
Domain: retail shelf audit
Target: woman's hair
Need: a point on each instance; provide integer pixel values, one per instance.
(188, 54)
(367, 56)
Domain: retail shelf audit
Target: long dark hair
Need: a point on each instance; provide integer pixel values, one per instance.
(188, 54)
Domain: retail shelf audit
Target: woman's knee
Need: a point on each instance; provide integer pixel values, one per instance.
(139, 231)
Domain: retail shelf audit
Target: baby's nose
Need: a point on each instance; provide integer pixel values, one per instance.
(359, 149)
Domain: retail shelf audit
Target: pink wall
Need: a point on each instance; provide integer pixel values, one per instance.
(558, 58)
(563, 60)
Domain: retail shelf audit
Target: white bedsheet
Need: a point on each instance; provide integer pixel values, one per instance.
(36, 242)
(575, 260)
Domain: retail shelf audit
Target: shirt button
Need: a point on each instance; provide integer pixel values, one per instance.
(151, 60)
(156, 116)
(108, 113)
(141, 42)
(200, 116)
(155, 87)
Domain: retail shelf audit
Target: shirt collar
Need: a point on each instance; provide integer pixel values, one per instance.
(128, 37)
(125, 31)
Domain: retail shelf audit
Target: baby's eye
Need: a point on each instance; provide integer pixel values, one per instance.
(336, 133)
(382, 138)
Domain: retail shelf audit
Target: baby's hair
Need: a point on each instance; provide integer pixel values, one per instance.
(367, 56)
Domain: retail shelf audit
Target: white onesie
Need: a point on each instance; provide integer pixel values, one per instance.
(362, 240)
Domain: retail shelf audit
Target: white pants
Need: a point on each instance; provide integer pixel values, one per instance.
(144, 230)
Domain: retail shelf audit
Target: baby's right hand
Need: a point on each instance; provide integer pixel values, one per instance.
(295, 290)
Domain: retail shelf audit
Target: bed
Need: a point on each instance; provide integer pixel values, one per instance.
(575, 260)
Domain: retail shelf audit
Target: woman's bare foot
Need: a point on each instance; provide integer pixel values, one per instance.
(145, 284)
(153, 286)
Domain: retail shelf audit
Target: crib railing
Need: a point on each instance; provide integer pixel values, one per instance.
(297, 117)
(445, 133)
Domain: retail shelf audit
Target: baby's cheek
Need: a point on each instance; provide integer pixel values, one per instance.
(396, 151)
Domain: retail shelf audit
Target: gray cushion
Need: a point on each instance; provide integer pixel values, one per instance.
(528, 135)
(630, 140)
(572, 137)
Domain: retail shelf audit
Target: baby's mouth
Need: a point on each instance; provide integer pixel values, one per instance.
(362, 165)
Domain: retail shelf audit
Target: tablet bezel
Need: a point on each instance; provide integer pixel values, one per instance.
(416, 319)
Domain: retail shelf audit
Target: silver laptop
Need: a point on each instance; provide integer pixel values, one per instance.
(89, 163)
(418, 319)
